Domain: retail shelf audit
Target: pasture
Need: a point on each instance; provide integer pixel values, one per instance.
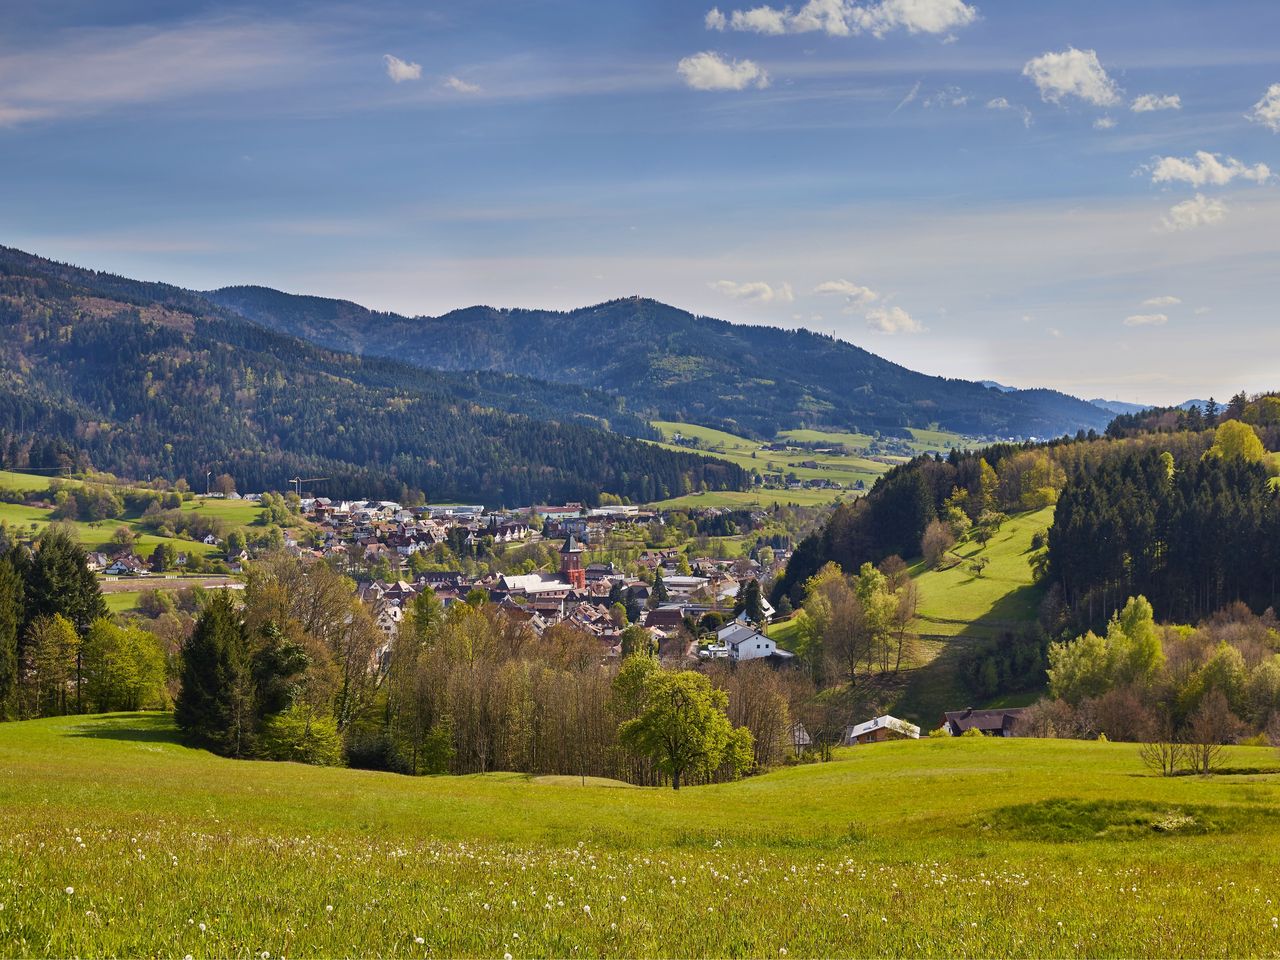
(117, 840)
(856, 463)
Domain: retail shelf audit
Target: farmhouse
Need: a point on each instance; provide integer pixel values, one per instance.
(879, 729)
(993, 723)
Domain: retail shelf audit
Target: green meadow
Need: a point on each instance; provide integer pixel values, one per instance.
(844, 468)
(117, 840)
(959, 607)
(95, 535)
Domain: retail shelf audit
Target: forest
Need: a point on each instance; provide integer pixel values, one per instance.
(673, 365)
(146, 388)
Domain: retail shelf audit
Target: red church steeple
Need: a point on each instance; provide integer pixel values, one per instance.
(571, 564)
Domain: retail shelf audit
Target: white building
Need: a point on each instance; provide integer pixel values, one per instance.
(747, 643)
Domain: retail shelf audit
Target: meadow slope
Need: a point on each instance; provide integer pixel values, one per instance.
(115, 839)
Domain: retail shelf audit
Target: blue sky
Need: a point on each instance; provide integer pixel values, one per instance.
(1081, 195)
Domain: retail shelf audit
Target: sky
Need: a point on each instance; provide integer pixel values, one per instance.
(1082, 195)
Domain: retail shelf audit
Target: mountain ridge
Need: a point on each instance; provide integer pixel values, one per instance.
(672, 364)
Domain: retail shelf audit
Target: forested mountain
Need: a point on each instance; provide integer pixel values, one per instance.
(146, 379)
(674, 365)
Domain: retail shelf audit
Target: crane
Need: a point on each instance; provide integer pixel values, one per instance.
(299, 481)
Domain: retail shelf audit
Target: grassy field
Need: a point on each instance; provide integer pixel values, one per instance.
(958, 609)
(115, 840)
(845, 469)
(96, 535)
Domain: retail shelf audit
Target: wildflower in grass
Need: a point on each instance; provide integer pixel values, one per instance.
(70, 891)
(419, 940)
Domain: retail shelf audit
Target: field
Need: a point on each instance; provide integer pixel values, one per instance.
(958, 608)
(843, 468)
(95, 535)
(115, 840)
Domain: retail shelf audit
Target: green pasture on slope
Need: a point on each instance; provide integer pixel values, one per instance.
(958, 608)
(117, 840)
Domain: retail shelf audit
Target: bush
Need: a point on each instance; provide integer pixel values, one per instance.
(298, 734)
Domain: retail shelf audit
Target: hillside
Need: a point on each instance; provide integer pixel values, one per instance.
(115, 840)
(672, 365)
(146, 380)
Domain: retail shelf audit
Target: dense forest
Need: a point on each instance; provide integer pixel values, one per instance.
(664, 361)
(143, 381)
(1192, 537)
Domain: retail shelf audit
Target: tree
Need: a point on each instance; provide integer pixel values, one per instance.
(59, 581)
(215, 706)
(121, 542)
(658, 593)
(750, 602)
(1164, 754)
(635, 640)
(224, 484)
(123, 668)
(11, 590)
(935, 543)
(52, 650)
(684, 727)
(1212, 725)
(163, 557)
(1237, 440)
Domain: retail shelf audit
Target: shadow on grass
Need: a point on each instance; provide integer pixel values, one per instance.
(139, 728)
(937, 687)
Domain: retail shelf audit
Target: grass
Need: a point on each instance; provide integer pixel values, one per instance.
(958, 608)
(116, 840)
(846, 469)
(95, 536)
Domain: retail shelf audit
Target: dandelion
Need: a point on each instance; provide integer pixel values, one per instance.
(419, 940)
(202, 928)
(506, 956)
(328, 908)
(586, 908)
(70, 891)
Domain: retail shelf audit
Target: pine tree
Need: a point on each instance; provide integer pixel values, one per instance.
(215, 707)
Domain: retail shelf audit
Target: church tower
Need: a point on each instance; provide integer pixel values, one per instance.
(571, 564)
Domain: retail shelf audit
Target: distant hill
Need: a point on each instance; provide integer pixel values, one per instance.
(1123, 406)
(145, 379)
(670, 364)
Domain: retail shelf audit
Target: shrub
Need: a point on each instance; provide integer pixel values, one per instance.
(298, 734)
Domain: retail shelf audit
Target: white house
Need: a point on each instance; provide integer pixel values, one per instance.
(747, 643)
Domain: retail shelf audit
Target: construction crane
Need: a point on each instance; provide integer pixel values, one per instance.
(299, 481)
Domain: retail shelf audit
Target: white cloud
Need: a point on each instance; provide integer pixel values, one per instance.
(1072, 73)
(1205, 169)
(892, 320)
(400, 70)
(1002, 103)
(1161, 302)
(1149, 102)
(1267, 110)
(709, 71)
(1104, 123)
(757, 291)
(845, 18)
(947, 97)
(1196, 212)
(458, 85)
(90, 70)
(1146, 320)
(854, 294)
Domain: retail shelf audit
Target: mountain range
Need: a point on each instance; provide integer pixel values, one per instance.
(491, 405)
(145, 379)
(670, 364)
